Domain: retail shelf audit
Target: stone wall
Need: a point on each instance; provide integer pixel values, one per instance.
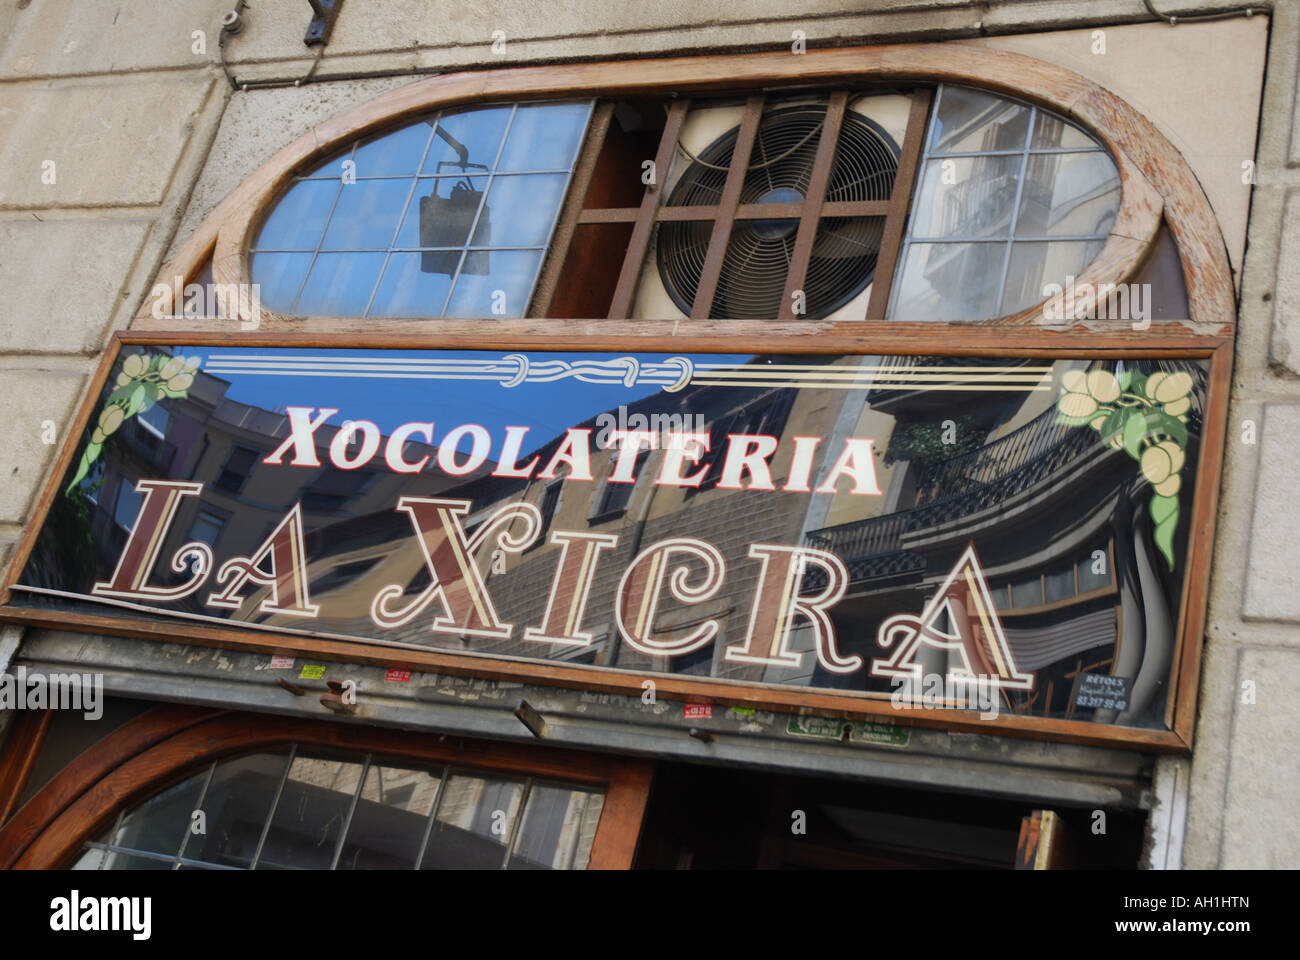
(118, 131)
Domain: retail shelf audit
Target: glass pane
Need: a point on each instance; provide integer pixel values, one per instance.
(279, 276)
(1027, 593)
(390, 819)
(297, 220)
(496, 283)
(966, 197)
(310, 816)
(395, 154)
(340, 284)
(550, 834)
(442, 212)
(544, 137)
(1093, 573)
(160, 823)
(949, 282)
(1068, 194)
(525, 208)
(477, 132)
(415, 284)
(367, 215)
(1053, 131)
(1059, 585)
(587, 830)
(1001, 596)
(474, 823)
(1035, 265)
(969, 120)
(237, 805)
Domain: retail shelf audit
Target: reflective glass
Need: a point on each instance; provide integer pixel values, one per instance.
(311, 814)
(1035, 265)
(299, 217)
(237, 804)
(408, 289)
(971, 120)
(280, 276)
(949, 282)
(395, 154)
(500, 289)
(366, 215)
(390, 819)
(340, 284)
(1051, 131)
(544, 136)
(967, 197)
(478, 131)
(475, 820)
(556, 830)
(1068, 194)
(159, 824)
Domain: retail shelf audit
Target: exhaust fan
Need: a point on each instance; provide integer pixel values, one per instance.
(754, 269)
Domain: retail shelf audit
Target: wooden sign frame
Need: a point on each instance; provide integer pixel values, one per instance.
(873, 339)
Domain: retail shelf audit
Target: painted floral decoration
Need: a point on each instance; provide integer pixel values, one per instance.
(144, 381)
(1147, 418)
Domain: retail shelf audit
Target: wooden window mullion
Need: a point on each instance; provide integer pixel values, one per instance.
(726, 209)
(899, 203)
(640, 240)
(812, 204)
(572, 209)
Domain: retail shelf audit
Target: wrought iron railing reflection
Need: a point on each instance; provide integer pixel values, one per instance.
(961, 486)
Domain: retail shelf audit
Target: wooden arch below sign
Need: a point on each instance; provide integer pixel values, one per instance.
(169, 743)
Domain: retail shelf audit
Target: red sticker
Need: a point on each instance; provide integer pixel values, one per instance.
(698, 711)
(282, 663)
(398, 676)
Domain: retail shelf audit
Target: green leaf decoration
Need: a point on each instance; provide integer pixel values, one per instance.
(1125, 379)
(1174, 428)
(137, 395)
(1135, 428)
(1164, 513)
(1114, 424)
(88, 458)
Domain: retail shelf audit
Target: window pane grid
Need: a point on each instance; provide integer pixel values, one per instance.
(998, 296)
(493, 821)
(335, 277)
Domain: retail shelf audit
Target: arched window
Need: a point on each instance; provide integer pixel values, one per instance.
(186, 788)
(453, 214)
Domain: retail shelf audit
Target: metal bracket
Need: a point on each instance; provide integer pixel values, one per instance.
(322, 22)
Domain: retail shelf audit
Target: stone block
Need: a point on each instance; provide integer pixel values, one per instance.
(110, 142)
(64, 281)
(68, 37)
(1260, 828)
(30, 399)
(1274, 557)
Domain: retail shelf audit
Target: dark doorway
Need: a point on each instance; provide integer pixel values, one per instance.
(717, 818)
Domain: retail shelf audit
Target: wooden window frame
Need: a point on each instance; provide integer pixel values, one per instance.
(170, 743)
(1156, 186)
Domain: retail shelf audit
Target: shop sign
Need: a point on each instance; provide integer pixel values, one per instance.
(1005, 538)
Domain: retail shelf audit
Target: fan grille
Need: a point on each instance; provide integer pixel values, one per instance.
(757, 260)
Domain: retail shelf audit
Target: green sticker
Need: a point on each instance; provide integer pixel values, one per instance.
(873, 732)
(312, 671)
